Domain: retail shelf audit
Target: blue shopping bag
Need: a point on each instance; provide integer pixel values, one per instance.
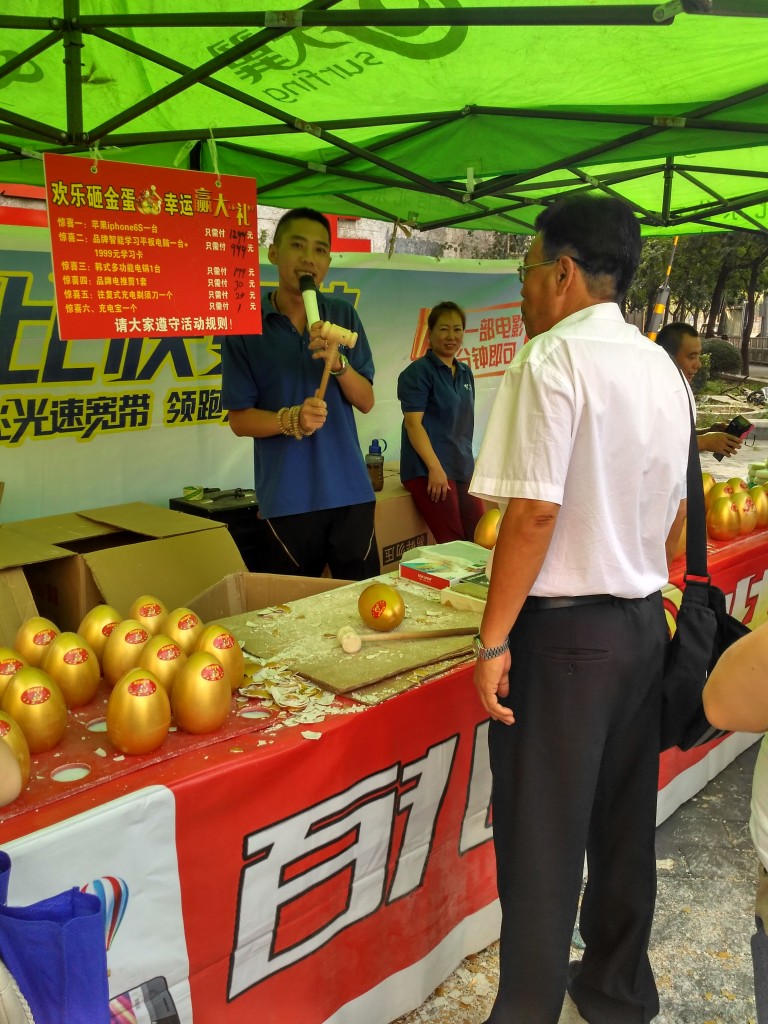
(55, 951)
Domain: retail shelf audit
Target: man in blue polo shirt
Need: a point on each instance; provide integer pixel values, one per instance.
(311, 482)
(437, 396)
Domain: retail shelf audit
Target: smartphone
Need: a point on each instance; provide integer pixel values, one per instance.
(148, 1003)
(739, 427)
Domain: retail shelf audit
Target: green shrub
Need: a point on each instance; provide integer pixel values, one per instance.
(699, 382)
(723, 357)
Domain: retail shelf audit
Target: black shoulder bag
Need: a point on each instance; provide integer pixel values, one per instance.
(704, 629)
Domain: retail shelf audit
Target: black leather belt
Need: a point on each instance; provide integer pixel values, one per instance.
(538, 604)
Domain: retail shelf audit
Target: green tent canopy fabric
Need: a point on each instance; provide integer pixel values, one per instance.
(429, 112)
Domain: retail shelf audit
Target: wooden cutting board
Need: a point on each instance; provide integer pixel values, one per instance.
(302, 636)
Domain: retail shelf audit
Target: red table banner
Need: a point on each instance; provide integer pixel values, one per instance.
(151, 251)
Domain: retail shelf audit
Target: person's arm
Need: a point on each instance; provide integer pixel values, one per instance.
(736, 693)
(437, 480)
(718, 441)
(524, 537)
(675, 531)
(266, 422)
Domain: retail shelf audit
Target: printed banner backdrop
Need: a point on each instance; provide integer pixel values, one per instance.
(103, 421)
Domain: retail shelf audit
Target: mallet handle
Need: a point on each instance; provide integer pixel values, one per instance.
(423, 634)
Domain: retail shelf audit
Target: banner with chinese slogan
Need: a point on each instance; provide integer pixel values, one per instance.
(141, 251)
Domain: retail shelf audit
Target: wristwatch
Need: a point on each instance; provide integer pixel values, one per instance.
(343, 368)
(486, 653)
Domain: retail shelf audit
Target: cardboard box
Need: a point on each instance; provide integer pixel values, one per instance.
(248, 591)
(114, 555)
(399, 524)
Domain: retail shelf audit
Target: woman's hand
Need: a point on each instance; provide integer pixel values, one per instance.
(438, 487)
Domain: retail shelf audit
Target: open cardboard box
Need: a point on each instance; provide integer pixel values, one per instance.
(399, 524)
(248, 591)
(113, 555)
(18, 553)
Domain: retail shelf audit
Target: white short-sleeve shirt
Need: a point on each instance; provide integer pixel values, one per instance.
(595, 417)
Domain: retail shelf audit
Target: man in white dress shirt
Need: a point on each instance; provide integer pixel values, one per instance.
(586, 447)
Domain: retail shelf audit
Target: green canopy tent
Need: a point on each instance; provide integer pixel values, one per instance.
(432, 113)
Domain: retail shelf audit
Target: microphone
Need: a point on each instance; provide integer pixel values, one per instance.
(309, 294)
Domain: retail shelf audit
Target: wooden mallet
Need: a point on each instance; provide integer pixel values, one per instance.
(351, 641)
(332, 334)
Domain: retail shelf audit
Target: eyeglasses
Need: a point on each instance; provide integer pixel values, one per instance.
(523, 269)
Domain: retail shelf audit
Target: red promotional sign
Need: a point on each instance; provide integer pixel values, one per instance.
(151, 251)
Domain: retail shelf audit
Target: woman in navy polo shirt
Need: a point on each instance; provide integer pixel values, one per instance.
(437, 396)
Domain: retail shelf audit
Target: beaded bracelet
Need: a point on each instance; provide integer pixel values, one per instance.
(294, 427)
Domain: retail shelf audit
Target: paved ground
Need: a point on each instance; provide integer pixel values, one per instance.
(700, 944)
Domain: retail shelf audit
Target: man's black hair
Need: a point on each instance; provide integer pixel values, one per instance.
(601, 234)
(302, 213)
(670, 337)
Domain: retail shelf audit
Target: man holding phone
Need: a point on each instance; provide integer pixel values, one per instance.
(682, 343)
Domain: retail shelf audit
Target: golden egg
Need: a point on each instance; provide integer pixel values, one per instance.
(11, 661)
(487, 529)
(708, 481)
(163, 658)
(33, 639)
(738, 484)
(71, 663)
(183, 626)
(138, 713)
(718, 490)
(381, 607)
(12, 736)
(218, 641)
(723, 519)
(201, 697)
(122, 649)
(96, 627)
(747, 510)
(760, 498)
(36, 704)
(11, 782)
(150, 612)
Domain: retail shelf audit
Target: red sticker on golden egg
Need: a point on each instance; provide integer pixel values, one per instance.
(4, 728)
(36, 695)
(44, 637)
(188, 621)
(136, 636)
(224, 642)
(77, 656)
(106, 630)
(10, 667)
(141, 688)
(212, 673)
(149, 611)
(168, 652)
(378, 609)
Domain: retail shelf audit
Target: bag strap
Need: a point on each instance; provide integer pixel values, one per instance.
(696, 528)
